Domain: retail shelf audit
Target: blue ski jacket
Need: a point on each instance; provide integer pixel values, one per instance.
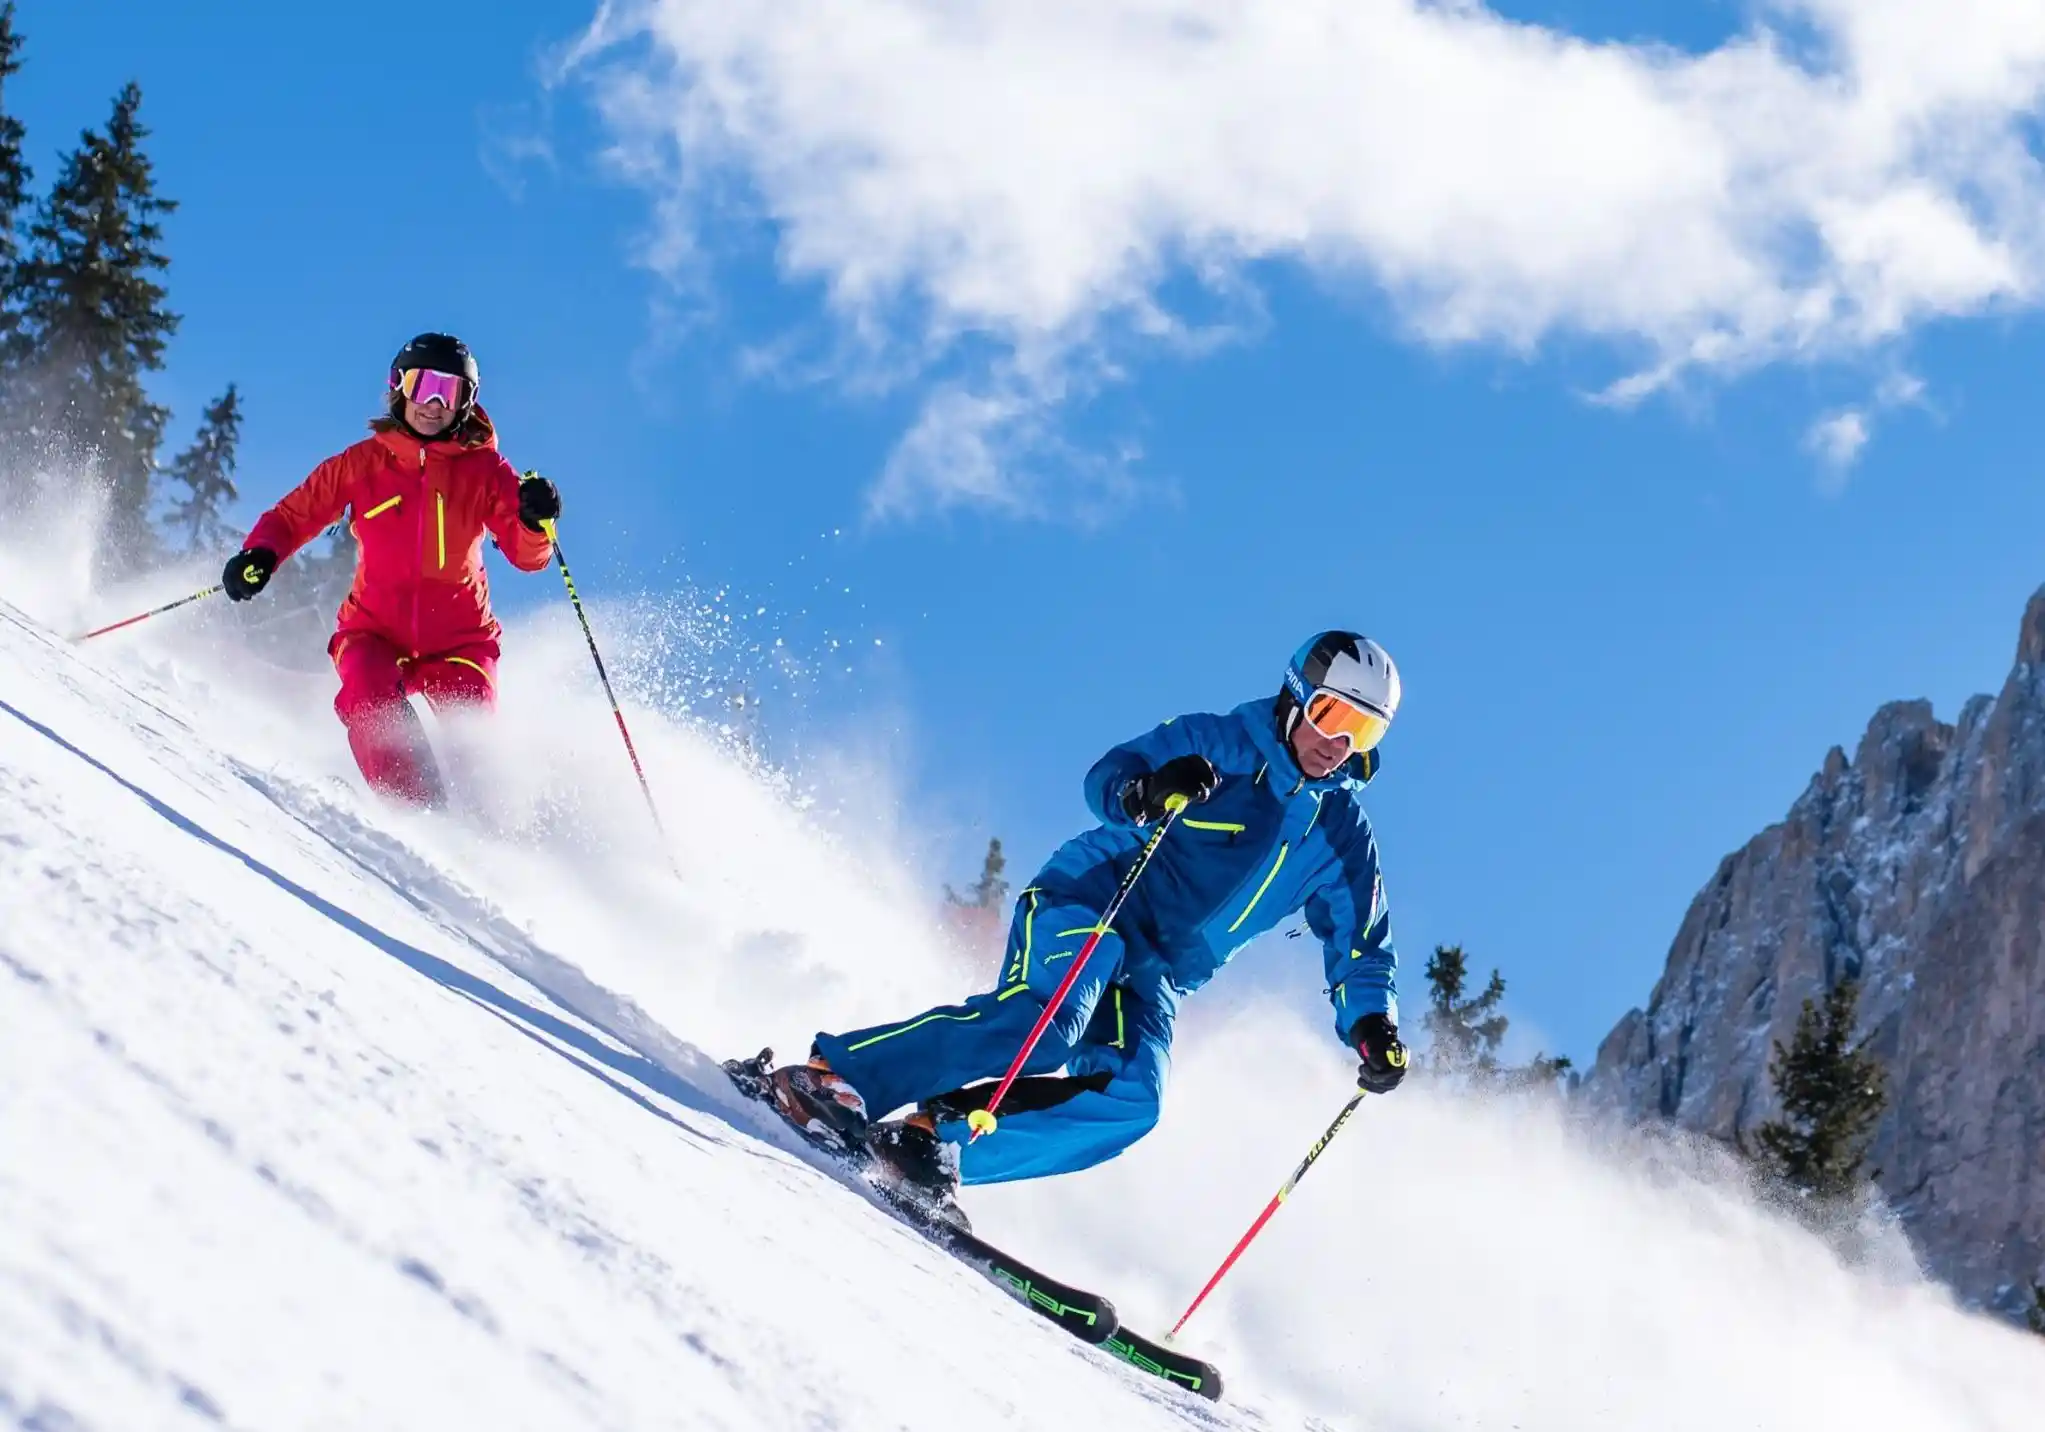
(1267, 844)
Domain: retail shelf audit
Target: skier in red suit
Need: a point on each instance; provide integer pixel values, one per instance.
(421, 492)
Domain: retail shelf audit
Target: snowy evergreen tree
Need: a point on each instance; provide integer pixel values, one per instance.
(204, 473)
(990, 891)
(91, 322)
(1831, 1090)
(2034, 1316)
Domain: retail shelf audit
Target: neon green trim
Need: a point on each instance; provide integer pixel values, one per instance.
(1311, 819)
(464, 661)
(1268, 878)
(1120, 1028)
(1128, 1353)
(1228, 825)
(1012, 989)
(918, 1024)
(1019, 968)
(1082, 930)
(381, 507)
(1029, 1292)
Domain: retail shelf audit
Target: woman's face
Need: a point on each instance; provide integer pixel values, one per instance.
(429, 420)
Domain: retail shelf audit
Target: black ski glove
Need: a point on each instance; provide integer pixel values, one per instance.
(248, 572)
(538, 501)
(1384, 1058)
(1147, 798)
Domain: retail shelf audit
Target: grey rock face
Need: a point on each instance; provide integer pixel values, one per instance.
(1919, 866)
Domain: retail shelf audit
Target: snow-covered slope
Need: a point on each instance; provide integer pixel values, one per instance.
(298, 1136)
(313, 1115)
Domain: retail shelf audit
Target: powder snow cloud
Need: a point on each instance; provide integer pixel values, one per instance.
(991, 198)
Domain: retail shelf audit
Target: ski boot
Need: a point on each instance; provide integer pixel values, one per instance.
(827, 1110)
(918, 1170)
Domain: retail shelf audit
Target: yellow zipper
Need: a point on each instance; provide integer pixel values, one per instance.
(1269, 876)
(440, 512)
(1228, 825)
(381, 507)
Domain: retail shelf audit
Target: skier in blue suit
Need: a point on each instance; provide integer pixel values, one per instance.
(1272, 825)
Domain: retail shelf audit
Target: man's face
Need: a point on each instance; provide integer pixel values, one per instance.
(1318, 755)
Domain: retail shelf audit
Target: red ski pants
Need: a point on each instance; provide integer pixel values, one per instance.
(384, 731)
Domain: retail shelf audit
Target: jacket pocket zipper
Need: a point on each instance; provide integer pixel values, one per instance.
(1269, 876)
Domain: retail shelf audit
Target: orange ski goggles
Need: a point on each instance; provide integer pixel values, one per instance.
(1334, 715)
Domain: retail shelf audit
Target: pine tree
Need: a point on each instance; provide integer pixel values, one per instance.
(990, 891)
(15, 173)
(2034, 1316)
(1465, 1032)
(205, 472)
(1832, 1093)
(92, 322)
(1542, 1071)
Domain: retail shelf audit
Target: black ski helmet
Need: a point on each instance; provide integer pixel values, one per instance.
(443, 353)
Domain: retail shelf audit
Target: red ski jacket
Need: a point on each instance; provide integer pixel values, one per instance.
(419, 512)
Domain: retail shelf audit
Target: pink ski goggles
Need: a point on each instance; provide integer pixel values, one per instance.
(425, 385)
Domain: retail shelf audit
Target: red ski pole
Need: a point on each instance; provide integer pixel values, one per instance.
(1269, 1209)
(981, 1121)
(166, 607)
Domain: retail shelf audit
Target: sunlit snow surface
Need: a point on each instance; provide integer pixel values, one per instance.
(313, 1115)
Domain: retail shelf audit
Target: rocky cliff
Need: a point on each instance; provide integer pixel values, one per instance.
(1918, 865)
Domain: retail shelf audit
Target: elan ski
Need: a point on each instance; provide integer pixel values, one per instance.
(1087, 1316)
(1174, 1367)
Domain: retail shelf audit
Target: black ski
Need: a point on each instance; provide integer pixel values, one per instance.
(1086, 1316)
(1158, 1360)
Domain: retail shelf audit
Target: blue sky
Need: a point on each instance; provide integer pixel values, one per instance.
(1629, 631)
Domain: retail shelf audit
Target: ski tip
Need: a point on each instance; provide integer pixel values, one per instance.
(1202, 1379)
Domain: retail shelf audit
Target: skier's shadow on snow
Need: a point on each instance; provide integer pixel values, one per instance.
(525, 1018)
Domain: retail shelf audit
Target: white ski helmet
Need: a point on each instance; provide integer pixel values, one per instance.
(1353, 669)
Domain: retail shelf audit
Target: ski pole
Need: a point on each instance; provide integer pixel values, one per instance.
(617, 712)
(166, 607)
(981, 1121)
(1269, 1209)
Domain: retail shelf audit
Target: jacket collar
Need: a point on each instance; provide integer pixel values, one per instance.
(1282, 772)
(399, 442)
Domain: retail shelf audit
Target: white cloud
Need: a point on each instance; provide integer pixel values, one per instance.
(1837, 439)
(981, 188)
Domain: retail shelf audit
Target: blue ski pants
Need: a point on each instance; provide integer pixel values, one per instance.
(1112, 1036)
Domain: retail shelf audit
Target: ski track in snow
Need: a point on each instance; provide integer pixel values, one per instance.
(316, 1115)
